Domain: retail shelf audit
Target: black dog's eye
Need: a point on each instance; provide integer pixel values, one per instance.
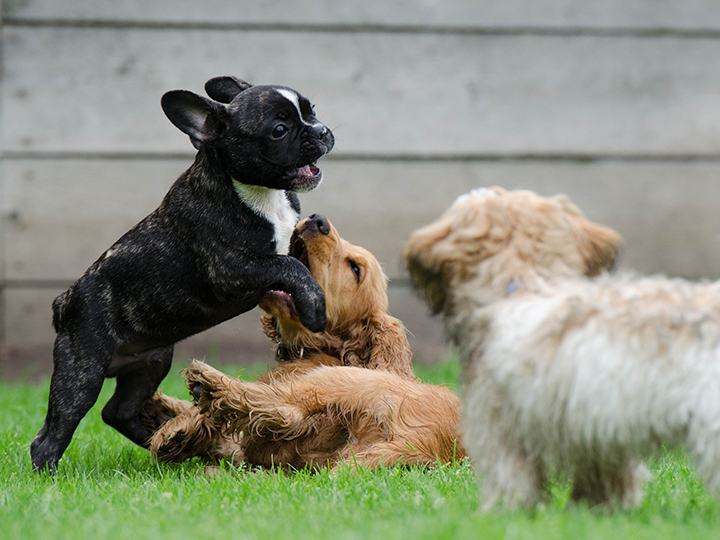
(355, 268)
(279, 131)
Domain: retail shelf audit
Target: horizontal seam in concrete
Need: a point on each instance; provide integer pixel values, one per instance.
(399, 157)
(574, 31)
(395, 283)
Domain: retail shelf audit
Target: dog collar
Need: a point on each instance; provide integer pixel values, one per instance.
(285, 353)
(515, 285)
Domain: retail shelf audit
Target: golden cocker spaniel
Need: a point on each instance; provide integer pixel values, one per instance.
(346, 396)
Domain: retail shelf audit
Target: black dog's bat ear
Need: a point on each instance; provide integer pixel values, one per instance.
(224, 89)
(202, 119)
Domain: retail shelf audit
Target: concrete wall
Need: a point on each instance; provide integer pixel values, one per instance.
(615, 103)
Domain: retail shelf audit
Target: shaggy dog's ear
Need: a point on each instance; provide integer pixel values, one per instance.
(599, 248)
(379, 342)
(426, 259)
(450, 248)
(598, 245)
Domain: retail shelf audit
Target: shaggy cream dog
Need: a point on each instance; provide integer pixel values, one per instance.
(563, 373)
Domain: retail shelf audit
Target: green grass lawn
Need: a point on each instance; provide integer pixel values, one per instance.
(107, 488)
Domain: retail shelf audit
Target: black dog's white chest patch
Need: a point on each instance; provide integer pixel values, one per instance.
(274, 206)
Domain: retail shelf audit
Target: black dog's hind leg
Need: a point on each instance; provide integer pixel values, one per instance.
(136, 382)
(74, 388)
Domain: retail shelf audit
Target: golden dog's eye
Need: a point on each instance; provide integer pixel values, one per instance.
(355, 268)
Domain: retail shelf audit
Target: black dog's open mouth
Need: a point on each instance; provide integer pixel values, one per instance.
(305, 178)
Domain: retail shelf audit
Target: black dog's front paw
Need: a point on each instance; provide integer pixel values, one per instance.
(318, 324)
(312, 312)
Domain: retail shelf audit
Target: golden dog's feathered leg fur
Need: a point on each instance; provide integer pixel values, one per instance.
(188, 433)
(159, 409)
(389, 420)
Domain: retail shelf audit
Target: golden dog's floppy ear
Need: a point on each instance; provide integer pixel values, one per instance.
(379, 342)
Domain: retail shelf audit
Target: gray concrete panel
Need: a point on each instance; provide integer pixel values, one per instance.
(62, 214)
(614, 14)
(383, 94)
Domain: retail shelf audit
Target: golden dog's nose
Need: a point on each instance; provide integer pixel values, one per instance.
(318, 222)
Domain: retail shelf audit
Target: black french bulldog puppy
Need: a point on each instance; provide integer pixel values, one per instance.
(214, 246)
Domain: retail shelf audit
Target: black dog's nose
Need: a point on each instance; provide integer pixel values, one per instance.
(318, 131)
(318, 222)
(324, 135)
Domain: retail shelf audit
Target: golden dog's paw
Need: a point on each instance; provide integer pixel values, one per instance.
(205, 383)
(190, 434)
(159, 409)
(172, 443)
(218, 396)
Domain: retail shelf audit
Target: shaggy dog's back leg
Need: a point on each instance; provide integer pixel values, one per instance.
(508, 476)
(703, 447)
(606, 483)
